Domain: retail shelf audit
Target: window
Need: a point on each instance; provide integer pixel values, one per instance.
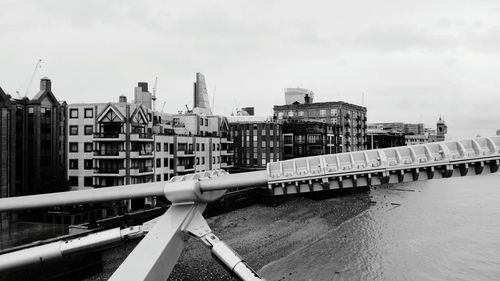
(322, 112)
(73, 147)
(158, 147)
(201, 121)
(88, 130)
(197, 160)
(73, 181)
(202, 147)
(301, 113)
(218, 159)
(88, 113)
(87, 181)
(202, 160)
(206, 122)
(158, 163)
(213, 159)
(280, 115)
(218, 146)
(290, 113)
(287, 139)
(213, 145)
(87, 147)
(165, 162)
(158, 177)
(165, 177)
(197, 147)
(73, 164)
(87, 164)
(333, 112)
(73, 130)
(165, 147)
(73, 113)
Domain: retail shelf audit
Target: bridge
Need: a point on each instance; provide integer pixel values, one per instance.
(163, 242)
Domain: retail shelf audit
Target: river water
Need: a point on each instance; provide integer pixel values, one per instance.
(447, 229)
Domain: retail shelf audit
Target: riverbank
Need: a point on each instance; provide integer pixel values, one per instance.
(260, 234)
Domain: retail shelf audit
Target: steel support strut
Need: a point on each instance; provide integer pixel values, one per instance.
(199, 229)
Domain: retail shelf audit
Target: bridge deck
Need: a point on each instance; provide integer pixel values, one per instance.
(390, 165)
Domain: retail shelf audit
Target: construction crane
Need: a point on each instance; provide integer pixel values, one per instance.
(154, 93)
(37, 66)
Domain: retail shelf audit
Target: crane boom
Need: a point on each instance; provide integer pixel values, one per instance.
(154, 93)
(37, 66)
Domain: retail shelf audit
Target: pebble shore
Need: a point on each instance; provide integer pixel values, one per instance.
(260, 234)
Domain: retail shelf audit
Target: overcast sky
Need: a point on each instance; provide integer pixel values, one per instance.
(412, 59)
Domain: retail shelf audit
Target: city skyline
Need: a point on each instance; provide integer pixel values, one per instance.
(439, 58)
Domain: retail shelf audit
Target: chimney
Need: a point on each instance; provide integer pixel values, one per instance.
(45, 84)
(143, 85)
(122, 99)
(307, 99)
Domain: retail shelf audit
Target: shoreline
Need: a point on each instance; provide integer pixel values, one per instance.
(258, 233)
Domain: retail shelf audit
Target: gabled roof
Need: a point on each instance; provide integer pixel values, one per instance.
(224, 125)
(139, 116)
(111, 114)
(3, 97)
(43, 94)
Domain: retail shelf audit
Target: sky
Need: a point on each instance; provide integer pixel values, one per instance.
(412, 60)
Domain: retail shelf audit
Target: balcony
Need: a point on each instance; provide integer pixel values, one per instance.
(141, 137)
(224, 165)
(112, 136)
(109, 153)
(226, 152)
(140, 171)
(185, 153)
(185, 168)
(141, 154)
(110, 172)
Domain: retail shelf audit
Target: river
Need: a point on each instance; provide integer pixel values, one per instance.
(446, 229)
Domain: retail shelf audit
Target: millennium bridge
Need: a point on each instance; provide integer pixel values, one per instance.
(157, 253)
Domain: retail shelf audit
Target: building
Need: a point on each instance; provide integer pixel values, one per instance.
(201, 104)
(120, 143)
(32, 144)
(309, 138)
(349, 118)
(257, 141)
(298, 95)
(379, 138)
(414, 133)
(400, 127)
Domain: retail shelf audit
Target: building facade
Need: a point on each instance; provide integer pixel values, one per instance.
(124, 143)
(309, 138)
(349, 118)
(400, 127)
(378, 138)
(257, 141)
(32, 144)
